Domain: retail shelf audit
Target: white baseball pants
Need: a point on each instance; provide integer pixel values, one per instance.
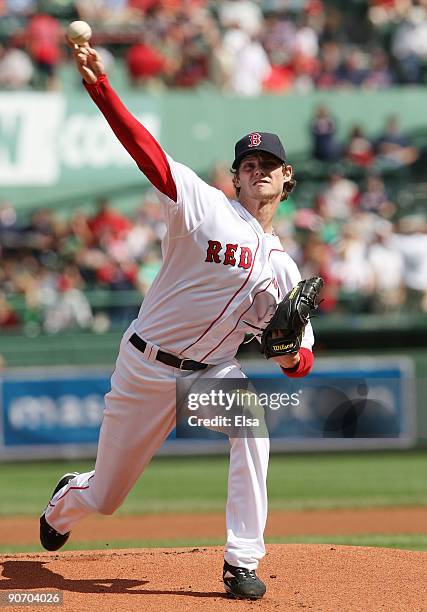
(139, 415)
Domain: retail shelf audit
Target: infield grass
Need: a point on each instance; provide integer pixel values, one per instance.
(403, 541)
(199, 484)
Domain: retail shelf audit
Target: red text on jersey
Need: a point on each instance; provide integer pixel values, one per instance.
(231, 255)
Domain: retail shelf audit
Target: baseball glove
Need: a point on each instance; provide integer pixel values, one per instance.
(290, 319)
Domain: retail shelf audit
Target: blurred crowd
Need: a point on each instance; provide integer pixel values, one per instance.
(372, 259)
(391, 150)
(52, 263)
(240, 47)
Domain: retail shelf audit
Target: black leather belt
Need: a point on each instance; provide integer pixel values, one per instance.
(167, 358)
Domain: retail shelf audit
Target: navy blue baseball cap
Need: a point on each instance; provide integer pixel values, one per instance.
(258, 141)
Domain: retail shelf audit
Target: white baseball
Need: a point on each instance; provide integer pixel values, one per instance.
(79, 32)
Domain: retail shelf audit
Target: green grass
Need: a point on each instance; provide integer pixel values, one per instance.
(200, 484)
(402, 541)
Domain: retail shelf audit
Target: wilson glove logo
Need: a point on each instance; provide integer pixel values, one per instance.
(282, 347)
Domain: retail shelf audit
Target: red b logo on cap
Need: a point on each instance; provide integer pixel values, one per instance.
(255, 139)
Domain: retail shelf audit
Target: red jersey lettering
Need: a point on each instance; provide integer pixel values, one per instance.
(229, 259)
(245, 258)
(212, 251)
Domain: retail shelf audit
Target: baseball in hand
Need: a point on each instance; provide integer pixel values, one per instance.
(79, 32)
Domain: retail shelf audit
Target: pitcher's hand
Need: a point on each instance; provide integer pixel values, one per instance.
(88, 61)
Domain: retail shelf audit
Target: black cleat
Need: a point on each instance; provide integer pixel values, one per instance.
(241, 583)
(50, 539)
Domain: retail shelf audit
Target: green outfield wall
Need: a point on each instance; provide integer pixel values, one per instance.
(56, 148)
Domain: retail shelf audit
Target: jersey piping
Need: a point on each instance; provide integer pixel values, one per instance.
(238, 321)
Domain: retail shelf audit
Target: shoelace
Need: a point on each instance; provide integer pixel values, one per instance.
(244, 572)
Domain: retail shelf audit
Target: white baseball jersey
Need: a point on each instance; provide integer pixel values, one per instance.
(222, 275)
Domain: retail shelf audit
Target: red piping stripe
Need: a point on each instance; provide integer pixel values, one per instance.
(238, 321)
(277, 250)
(70, 489)
(229, 302)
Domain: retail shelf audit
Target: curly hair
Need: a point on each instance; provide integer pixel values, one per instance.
(288, 186)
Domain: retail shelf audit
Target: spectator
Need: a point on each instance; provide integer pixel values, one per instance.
(44, 35)
(78, 234)
(281, 76)
(374, 197)
(279, 36)
(317, 260)
(251, 69)
(354, 70)
(146, 66)
(306, 40)
(323, 131)
(41, 234)
(387, 268)
(409, 44)
(330, 59)
(411, 242)
(220, 62)
(117, 277)
(304, 70)
(139, 239)
(352, 269)
(193, 68)
(393, 148)
(339, 198)
(244, 13)
(16, 68)
(360, 151)
(69, 306)
(107, 220)
(380, 75)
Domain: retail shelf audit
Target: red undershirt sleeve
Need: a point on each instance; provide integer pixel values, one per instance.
(304, 366)
(136, 139)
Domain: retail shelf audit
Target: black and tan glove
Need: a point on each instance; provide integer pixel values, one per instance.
(290, 319)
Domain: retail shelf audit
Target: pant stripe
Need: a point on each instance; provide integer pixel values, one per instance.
(75, 488)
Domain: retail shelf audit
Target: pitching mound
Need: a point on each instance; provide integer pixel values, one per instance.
(320, 578)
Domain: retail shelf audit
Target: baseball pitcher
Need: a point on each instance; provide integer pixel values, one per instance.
(224, 274)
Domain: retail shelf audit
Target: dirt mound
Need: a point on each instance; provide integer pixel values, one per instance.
(320, 578)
